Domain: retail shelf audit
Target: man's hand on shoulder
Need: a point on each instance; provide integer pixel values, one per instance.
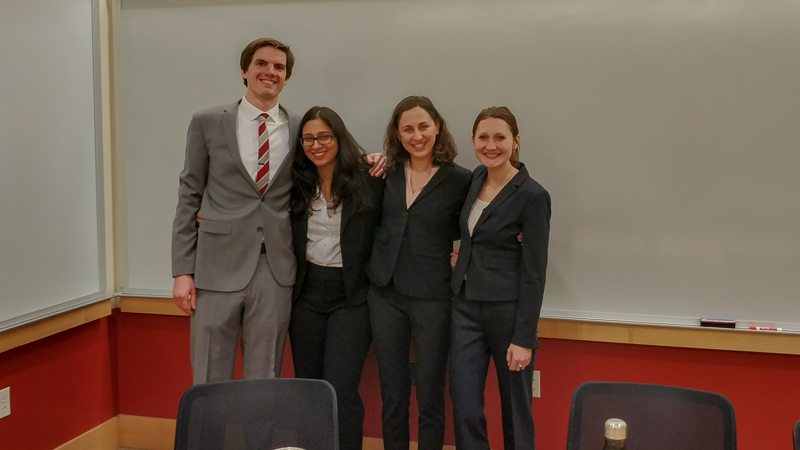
(378, 163)
(184, 294)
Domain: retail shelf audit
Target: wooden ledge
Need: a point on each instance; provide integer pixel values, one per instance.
(149, 305)
(672, 336)
(580, 330)
(49, 326)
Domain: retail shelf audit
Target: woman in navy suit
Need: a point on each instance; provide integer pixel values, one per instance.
(498, 283)
(335, 210)
(410, 296)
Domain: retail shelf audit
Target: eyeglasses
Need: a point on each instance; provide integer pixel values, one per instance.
(308, 141)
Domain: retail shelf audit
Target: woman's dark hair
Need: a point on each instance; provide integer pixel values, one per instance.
(444, 149)
(504, 114)
(350, 177)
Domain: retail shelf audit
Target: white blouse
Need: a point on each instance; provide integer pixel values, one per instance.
(475, 214)
(411, 196)
(324, 230)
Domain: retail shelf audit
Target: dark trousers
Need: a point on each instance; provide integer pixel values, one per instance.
(397, 321)
(482, 330)
(330, 339)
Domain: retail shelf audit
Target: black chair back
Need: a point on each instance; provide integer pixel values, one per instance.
(258, 415)
(797, 435)
(658, 417)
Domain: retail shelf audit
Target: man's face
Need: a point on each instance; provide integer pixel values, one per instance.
(266, 75)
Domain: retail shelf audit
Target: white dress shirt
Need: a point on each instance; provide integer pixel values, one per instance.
(324, 230)
(247, 122)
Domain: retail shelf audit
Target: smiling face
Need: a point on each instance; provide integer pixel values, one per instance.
(266, 77)
(322, 155)
(494, 142)
(417, 132)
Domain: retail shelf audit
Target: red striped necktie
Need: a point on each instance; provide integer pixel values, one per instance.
(262, 176)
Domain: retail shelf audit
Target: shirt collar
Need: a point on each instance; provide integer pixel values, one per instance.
(251, 112)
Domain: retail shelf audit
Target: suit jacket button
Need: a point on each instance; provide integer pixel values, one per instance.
(259, 229)
(263, 199)
(405, 214)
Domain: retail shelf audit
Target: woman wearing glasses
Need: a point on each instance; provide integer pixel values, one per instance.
(410, 297)
(498, 283)
(335, 207)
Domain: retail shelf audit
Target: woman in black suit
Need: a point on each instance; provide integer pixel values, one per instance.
(335, 207)
(410, 297)
(498, 283)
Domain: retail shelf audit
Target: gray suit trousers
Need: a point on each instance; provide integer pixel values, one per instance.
(261, 310)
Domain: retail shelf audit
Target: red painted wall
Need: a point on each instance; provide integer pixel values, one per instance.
(61, 387)
(154, 371)
(762, 387)
(138, 364)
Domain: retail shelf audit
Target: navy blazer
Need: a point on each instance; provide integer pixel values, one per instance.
(496, 265)
(356, 236)
(413, 244)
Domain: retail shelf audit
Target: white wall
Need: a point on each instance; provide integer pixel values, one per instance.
(666, 130)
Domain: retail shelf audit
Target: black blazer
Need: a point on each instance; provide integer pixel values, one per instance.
(412, 245)
(356, 236)
(496, 265)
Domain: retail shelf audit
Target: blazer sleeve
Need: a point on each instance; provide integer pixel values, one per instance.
(190, 196)
(535, 236)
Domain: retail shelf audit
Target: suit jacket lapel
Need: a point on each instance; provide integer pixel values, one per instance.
(472, 195)
(503, 195)
(443, 172)
(347, 212)
(396, 183)
(229, 127)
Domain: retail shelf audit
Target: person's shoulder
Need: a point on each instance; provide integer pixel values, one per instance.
(375, 183)
(216, 111)
(532, 189)
(292, 117)
(479, 171)
(397, 170)
(532, 185)
(460, 172)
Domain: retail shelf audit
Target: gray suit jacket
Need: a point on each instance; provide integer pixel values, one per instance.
(222, 252)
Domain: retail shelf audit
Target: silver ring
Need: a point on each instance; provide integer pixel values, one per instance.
(519, 367)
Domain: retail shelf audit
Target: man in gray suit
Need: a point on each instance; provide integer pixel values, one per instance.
(234, 268)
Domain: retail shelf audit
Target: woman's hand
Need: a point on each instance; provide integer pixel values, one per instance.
(378, 163)
(518, 357)
(453, 258)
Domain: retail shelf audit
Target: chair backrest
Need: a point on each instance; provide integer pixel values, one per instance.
(658, 417)
(258, 414)
(797, 435)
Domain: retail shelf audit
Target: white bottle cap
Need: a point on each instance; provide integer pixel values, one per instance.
(616, 429)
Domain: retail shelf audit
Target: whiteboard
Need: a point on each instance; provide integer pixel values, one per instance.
(51, 226)
(665, 130)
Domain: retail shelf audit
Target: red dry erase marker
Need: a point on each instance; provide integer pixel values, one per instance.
(766, 329)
